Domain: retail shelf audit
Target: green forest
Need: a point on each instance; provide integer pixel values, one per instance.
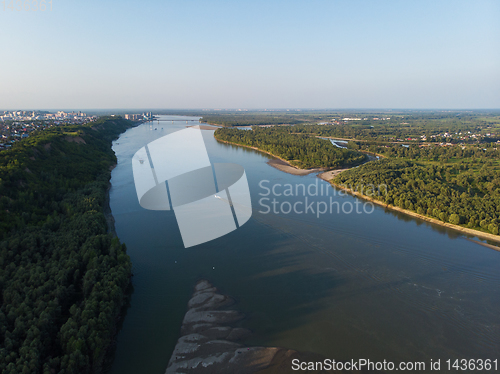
(445, 165)
(63, 276)
(300, 150)
(388, 126)
(261, 118)
(456, 194)
(457, 184)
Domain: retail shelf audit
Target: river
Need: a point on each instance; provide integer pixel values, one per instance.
(375, 285)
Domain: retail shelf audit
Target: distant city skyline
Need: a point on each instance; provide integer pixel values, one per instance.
(252, 55)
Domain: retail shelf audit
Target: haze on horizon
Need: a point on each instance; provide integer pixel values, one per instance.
(252, 54)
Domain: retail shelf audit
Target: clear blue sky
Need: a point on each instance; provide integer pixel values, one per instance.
(252, 54)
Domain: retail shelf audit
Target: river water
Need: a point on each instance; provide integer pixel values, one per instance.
(375, 285)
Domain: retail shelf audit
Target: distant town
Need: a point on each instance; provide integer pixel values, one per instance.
(18, 124)
(34, 115)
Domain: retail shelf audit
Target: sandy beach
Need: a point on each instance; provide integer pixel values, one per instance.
(287, 168)
(330, 174)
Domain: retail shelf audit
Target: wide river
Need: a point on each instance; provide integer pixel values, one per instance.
(375, 285)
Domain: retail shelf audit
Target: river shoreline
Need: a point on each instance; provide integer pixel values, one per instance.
(462, 230)
(110, 220)
(289, 282)
(278, 162)
(328, 174)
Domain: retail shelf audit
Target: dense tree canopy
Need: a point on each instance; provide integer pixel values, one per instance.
(454, 195)
(300, 150)
(63, 277)
(373, 126)
(456, 183)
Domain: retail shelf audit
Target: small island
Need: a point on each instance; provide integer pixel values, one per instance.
(210, 344)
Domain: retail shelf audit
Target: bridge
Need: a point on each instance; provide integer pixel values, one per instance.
(175, 120)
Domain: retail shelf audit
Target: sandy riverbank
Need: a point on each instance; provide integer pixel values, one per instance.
(287, 168)
(278, 162)
(330, 174)
(462, 230)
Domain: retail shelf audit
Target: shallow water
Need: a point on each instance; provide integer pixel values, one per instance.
(377, 285)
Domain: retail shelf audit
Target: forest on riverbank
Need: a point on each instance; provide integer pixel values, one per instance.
(261, 118)
(63, 276)
(441, 165)
(450, 194)
(299, 150)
